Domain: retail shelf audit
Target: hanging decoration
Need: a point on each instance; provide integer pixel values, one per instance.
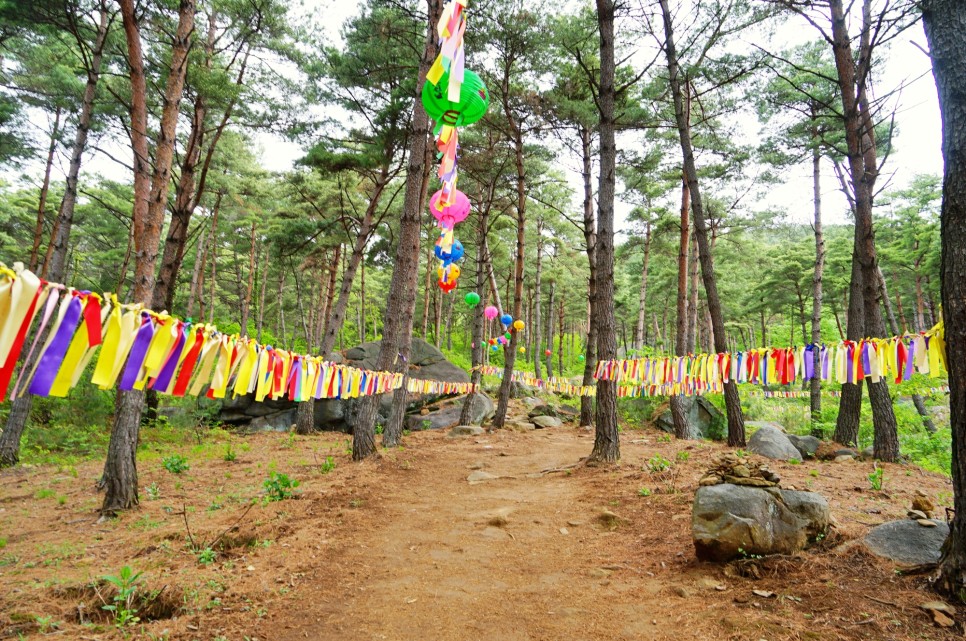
(453, 96)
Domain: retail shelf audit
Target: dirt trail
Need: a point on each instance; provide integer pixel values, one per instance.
(514, 557)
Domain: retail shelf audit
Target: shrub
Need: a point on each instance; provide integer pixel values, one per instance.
(279, 487)
(176, 464)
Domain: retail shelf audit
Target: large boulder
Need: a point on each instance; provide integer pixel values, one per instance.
(425, 362)
(274, 422)
(773, 443)
(481, 409)
(702, 415)
(729, 521)
(907, 542)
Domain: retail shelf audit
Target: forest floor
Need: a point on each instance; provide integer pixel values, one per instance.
(403, 547)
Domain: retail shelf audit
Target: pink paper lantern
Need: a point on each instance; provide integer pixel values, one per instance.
(491, 312)
(455, 213)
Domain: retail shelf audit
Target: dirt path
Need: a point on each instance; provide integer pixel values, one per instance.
(514, 557)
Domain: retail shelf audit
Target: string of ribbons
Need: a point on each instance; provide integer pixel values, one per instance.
(552, 384)
(137, 348)
(895, 359)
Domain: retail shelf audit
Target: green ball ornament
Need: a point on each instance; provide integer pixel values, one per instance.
(472, 299)
(580, 357)
(474, 100)
(507, 335)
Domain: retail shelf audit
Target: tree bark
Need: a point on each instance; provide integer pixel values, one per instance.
(397, 323)
(815, 393)
(590, 240)
(44, 190)
(606, 437)
(678, 404)
(545, 355)
(736, 425)
(537, 330)
(476, 376)
(150, 198)
(642, 293)
(944, 23)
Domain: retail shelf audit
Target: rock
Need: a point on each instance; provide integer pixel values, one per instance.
(519, 390)
(710, 479)
(531, 402)
(926, 522)
(727, 518)
(574, 523)
(924, 505)
(772, 443)
(906, 542)
(546, 421)
(915, 515)
(520, 426)
(741, 471)
(567, 413)
(703, 416)
(479, 465)
(277, 422)
(439, 420)
(564, 530)
(609, 519)
(598, 573)
(845, 451)
(938, 606)
(868, 453)
(479, 476)
(842, 458)
(681, 592)
(807, 445)
(466, 430)
(542, 410)
(942, 620)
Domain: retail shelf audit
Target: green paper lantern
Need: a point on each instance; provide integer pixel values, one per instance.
(474, 100)
(472, 299)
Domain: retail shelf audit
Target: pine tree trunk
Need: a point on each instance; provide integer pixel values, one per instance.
(679, 405)
(945, 21)
(693, 268)
(642, 293)
(815, 395)
(476, 376)
(736, 425)
(590, 239)
(150, 199)
(44, 190)
(606, 437)
(549, 357)
(398, 319)
(537, 330)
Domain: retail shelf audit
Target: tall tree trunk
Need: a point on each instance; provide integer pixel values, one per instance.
(606, 437)
(537, 330)
(427, 291)
(548, 355)
(246, 302)
(863, 170)
(55, 261)
(150, 199)
(944, 21)
(693, 341)
(44, 190)
(679, 405)
(198, 281)
(642, 293)
(590, 240)
(397, 323)
(815, 389)
(478, 345)
(560, 340)
(510, 351)
(736, 425)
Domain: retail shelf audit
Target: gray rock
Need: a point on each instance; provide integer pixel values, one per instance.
(906, 542)
(520, 390)
(542, 410)
(466, 430)
(730, 520)
(439, 420)
(277, 422)
(481, 407)
(530, 402)
(702, 415)
(546, 421)
(567, 413)
(843, 458)
(480, 476)
(807, 445)
(845, 451)
(773, 444)
(868, 453)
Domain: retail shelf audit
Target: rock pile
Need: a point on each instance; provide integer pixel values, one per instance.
(736, 470)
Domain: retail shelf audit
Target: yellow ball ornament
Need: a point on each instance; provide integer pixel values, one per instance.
(518, 325)
(523, 350)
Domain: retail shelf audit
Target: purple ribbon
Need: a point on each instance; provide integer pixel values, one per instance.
(850, 352)
(910, 357)
(764, 368)
(163, 379)
(810, 354)
(54, 355)
(866, 365)
(139, 350)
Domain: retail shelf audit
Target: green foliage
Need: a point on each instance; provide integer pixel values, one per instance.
(682, 456)
(123, 607)
(658, 463)
(176, 464)
(279, 487)
(327, 465)
(207, 556)
(644, 491)
(876, 478)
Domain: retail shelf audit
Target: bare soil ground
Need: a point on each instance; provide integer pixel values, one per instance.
(405, 548)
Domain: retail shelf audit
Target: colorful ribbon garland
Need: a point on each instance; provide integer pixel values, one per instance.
(136, 348)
